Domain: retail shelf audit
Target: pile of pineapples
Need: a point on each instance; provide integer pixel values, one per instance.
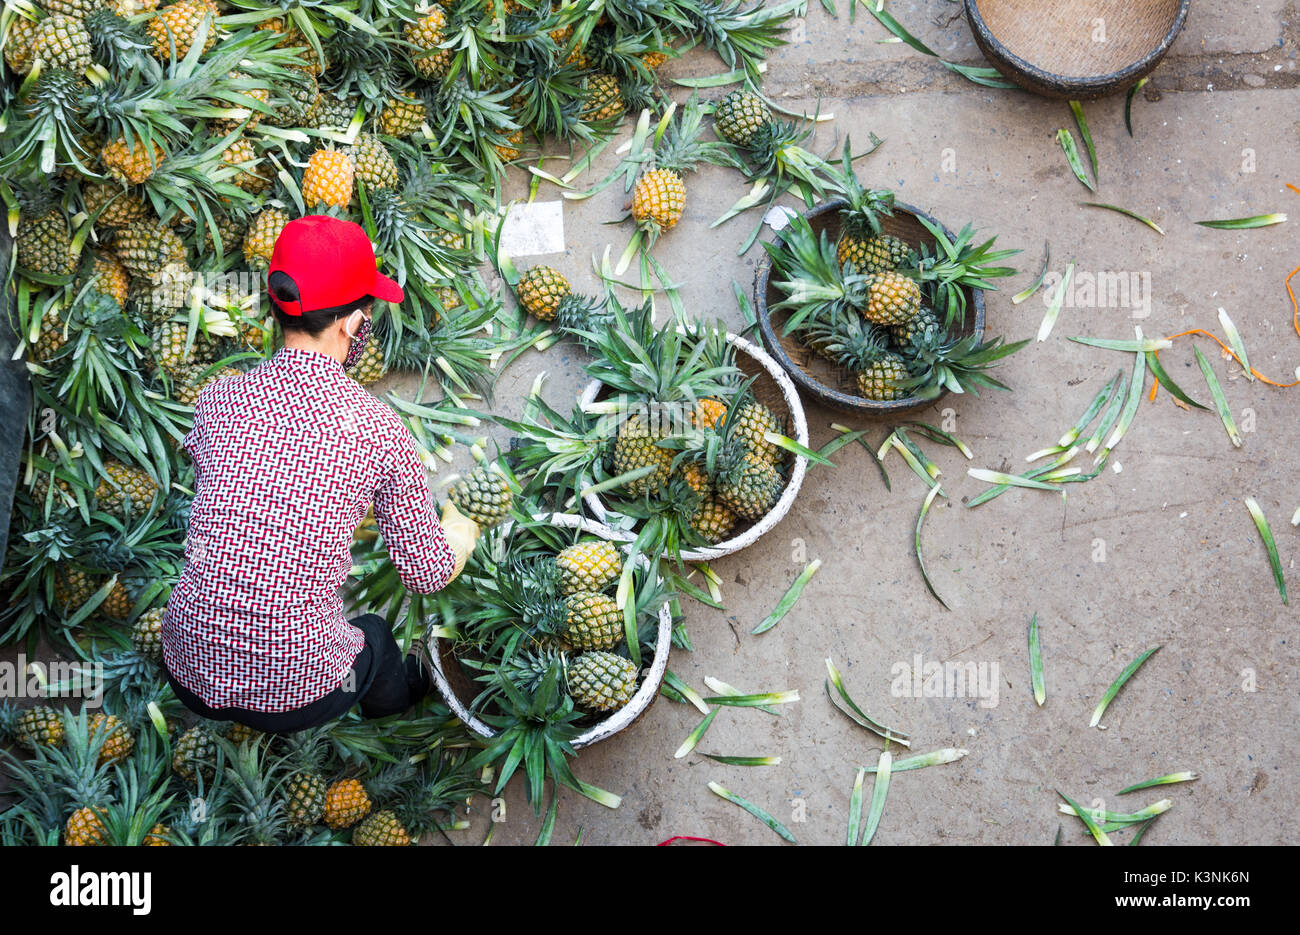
(555, 630)
(677, 438)
(144, 778)
(893, 317)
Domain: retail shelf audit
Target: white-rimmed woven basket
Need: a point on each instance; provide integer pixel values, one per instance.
(776, 390)
(446, 669)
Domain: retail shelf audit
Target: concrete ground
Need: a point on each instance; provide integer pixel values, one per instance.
(1163, 552)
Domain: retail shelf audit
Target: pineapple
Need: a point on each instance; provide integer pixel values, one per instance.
(259, 242)
(72, 588)
(346, 803)
(18, 45)
(371, 366)
(243, 157)
(373, 163)
(240, 734)
(39, 726)
(178, 24)
(122, 482)
(861, 348)
(659, 199)
(512, 149)
(169, 349)
(382, 829)
(541, 290)
(426, 34)
(877, 253)
(925, 324)
(592, 621)
(402, 116)
(118, 741)
(45, 247)
(195, 749)
(147, 247)
(327, 180)
(118, 603)
(159, 836)
(112, 206)
(51, 338)
(62, 42)
(713, 520)
(697, 479)
(602, 98)
(131, 163)
(85, 828)
(740, 116)
(753, 422)
(304, 798)
(330, 113)
(892, 299)
(110, 278)
(708, 412)
(296, 101)
(747, 483)
(484, 496)
(146, 634)
(588, 566)
(635, 447)
(260, 95)
(602, 681)
(193, 382)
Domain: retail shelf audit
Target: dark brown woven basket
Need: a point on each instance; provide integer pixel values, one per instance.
(1050, 46)
(830, 385)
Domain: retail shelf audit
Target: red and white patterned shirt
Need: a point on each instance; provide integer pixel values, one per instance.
(287, 459)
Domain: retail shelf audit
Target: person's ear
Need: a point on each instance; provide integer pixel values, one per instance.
(352, 323)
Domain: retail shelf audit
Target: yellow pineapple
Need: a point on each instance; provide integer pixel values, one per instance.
(118, 741)
(382, 829)
(131, 162)
(659, 199)
(346, 803)
(178, 24)
(259, 242)
(85, 828)
(541, 290)
(327, 180)
(588, 566)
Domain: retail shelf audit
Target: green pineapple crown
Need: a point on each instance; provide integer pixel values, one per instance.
(954, 265)
(679, 146)
(958, 364)
(851, 341)
(808, 271)
(864, 207)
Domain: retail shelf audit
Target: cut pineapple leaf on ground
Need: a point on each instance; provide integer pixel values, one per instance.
(855, 809)
(916, 541)
(1182, 776)
(878, 792)
(722, 688)
(755, 700)
(1093, 828)
(1119, 683)
(1145, 814)
(1128, 104)
(1220, 401)
(1066, 139)
(1126, 212)
(922, 760)
(1085, 134)
(1036, 663)
(1126, 415)
(1011, 480)
(1121, 344)
(695, 735)
(1094, 407)
(788, 600)
(1038, 283)
(1054, 309)
(744, 760)
(1265, 533)
(940, 436)
(754, 810)
(1167, 382)
(674, 681)
(1237, 224)
(856, 714)
(1238, 345)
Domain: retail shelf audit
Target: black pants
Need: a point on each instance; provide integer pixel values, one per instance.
(381, 681)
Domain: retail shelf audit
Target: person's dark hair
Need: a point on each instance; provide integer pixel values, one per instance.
(313, 322)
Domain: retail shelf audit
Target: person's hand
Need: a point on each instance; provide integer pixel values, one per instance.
(462, 535)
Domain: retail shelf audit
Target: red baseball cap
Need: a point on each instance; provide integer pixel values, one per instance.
(331, 262)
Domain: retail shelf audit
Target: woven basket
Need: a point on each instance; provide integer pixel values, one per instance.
(829, 384)
(1051, 47)
(458, 689)
(774, 390)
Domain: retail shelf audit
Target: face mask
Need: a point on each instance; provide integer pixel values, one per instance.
(358, 345)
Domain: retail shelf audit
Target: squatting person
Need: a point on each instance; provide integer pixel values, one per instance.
(288, 458)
